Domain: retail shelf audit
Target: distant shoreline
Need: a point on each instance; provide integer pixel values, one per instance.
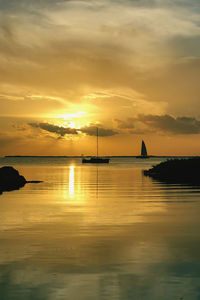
(80, 156)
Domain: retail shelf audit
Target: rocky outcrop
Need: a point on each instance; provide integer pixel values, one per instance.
(10, 179)
(176, 171)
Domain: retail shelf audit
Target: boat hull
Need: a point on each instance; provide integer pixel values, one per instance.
(95, 160)
(142, 157)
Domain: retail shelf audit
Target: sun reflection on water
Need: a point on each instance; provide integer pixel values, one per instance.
(71, 181)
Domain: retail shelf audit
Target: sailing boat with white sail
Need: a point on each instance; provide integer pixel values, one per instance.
(143, 151)
(96, 159)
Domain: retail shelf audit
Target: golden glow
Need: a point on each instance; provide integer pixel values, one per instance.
(46, 97)
(93, 96)
(71, 181)
(74, 120)
(71, 124)
(70, 116)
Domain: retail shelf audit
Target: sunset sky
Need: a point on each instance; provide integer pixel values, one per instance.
(130, 67)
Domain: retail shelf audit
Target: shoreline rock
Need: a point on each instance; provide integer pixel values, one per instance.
(176, 171)
(10, 179)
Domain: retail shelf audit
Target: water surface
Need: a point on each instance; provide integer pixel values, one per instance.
(98, 232)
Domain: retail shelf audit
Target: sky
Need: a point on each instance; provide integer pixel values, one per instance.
(129, 67)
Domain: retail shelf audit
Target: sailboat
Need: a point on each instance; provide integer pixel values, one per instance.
(143, 151)
(96, 159)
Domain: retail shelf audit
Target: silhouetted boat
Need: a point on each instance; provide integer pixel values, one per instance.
(143, 151)
(96, 159)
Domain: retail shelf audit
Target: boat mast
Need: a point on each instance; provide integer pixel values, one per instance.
(97, 142)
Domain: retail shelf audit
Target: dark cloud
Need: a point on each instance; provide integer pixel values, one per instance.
(127, 124)
(62, 131)
(143, 124)
(92, 130)
(167, 123)
(54, 128)
(132, 126)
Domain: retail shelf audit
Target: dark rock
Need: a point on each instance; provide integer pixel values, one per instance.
(10, 179)
(176, 171)
(34, 181)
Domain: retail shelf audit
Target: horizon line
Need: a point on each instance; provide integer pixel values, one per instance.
(80, 156)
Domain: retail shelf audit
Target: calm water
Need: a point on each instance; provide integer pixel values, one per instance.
(98, 232)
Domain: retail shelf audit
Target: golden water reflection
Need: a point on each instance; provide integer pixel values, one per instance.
(106, 196)
(100, 230)
(71, 180)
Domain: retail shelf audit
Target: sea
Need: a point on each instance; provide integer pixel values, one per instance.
(91, 232)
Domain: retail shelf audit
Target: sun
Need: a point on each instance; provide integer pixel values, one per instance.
(74, 120)
(72, 124)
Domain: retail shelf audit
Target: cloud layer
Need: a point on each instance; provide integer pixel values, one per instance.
(54, 128)
(160, 123)
(62, 131)
(142, 124)
(62, 47)
(167, 123)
